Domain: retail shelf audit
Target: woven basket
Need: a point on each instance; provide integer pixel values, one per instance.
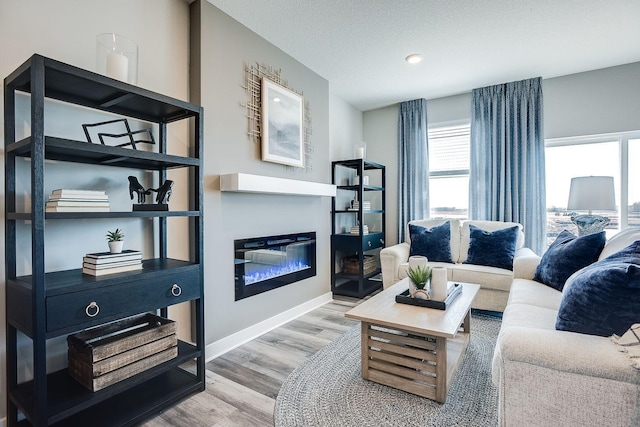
(350, 264)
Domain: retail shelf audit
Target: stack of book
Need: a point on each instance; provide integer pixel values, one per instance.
(64, 200)
(356, 205)
(356, 229)
(103, 263)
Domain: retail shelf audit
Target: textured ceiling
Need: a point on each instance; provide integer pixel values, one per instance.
(359, 46)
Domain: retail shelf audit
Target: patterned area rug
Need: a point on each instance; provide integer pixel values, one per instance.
(328, 391)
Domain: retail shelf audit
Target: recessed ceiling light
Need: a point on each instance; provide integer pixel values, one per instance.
(414, 58)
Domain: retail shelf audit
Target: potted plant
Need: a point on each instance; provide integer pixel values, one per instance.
(419, 279)
(115, 239)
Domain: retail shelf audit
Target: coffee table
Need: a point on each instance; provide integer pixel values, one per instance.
(411, 348)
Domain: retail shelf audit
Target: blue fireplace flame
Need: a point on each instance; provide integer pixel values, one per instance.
(266, 272)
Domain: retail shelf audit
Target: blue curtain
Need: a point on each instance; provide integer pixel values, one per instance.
(413, 163)
(507, 174)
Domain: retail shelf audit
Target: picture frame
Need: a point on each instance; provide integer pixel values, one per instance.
(282, 125)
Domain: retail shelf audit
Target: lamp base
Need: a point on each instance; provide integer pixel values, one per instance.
(589, 224)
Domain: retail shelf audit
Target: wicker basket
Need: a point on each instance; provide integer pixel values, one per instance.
(350, 264)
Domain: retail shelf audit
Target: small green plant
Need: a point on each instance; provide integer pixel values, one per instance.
(419, 275)
(115, 236)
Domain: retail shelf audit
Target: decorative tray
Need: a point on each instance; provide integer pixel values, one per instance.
(405, 298)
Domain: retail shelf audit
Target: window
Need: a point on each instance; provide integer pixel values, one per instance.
(449, 171)
(616, 155)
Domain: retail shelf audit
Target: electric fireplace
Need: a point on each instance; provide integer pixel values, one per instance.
(265, 263)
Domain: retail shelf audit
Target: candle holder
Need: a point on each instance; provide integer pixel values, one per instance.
(117, 57)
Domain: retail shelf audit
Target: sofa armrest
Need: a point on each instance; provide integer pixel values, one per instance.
(390, 260)
(562, 351)
(525, 263)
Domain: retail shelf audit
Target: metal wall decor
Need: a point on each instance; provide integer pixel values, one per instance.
(253, 75)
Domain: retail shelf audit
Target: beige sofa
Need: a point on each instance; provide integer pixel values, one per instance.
(547, 377)
(495, 282)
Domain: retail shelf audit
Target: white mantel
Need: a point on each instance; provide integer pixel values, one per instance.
(247, 183)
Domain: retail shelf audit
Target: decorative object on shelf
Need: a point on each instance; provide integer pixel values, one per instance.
(104, 263)
(351, 264)
(365, 180)
(360, 150)
(67, 200)
(115, 240)
(253, 85)
(103, 356)
(127, 133)
(162, 197)
(117, 57)
(282, 117)
(591, 193)
(439, 283)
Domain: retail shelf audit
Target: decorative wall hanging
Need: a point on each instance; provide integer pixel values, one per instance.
(282, 137)
(253, 85)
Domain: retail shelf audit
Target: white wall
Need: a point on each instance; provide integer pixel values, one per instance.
(66, 30)
(345, 128)
(592, 102)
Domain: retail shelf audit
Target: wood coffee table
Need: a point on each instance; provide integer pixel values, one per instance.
(415, 349)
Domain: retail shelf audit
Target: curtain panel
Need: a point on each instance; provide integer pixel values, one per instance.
(413, 164)
(507, 171)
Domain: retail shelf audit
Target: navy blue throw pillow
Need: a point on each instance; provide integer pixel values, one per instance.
(566, 255)
(603, 298)
(492, 248)
(434, 242)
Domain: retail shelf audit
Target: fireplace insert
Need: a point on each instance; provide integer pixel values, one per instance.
(265, 263)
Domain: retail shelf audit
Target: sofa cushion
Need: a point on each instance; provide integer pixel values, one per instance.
(492, 248)
(433, 243)
(529, 292)
(566, 255)
(465, 234)
(620, 241)
(454, 225)
(603, 298)
(489, 277)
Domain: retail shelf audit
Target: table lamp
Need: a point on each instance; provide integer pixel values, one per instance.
(591, 193)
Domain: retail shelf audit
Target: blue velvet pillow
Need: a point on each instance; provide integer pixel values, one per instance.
(492, 248)
(434, 242)
(566, 255)
(603, 298)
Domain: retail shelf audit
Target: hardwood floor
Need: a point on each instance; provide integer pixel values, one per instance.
(242, 385)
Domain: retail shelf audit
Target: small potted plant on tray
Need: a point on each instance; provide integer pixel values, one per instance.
(418, 281)
(115, 239)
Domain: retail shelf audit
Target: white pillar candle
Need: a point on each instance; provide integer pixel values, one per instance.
(360, 152)
(117, 66)
(439, 283)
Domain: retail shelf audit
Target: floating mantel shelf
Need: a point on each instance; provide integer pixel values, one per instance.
(247, 183)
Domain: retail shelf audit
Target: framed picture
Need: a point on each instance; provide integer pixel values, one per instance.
(282, 139)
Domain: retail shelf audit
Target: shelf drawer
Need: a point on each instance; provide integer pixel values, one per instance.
(356, 243)
(78, 310)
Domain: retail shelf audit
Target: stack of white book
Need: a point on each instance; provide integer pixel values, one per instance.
(365, 206)
(64, 200)
(356, 229)
(103, 263)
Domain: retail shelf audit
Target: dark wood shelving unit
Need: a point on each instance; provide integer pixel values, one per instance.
(46, 305)
(361, 244)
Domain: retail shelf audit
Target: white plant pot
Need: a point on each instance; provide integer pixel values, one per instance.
(115, 247)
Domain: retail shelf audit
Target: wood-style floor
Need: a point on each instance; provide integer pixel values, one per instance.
(242, 385)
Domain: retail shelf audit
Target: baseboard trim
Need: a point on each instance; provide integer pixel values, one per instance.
(232, 341)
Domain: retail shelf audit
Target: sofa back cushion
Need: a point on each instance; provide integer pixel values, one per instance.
(433, 243)
(620, 241)
(492, 248)
(465, 234)
(454, 225)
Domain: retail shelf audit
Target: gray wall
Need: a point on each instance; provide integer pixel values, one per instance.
(225, 46)
(588, 103)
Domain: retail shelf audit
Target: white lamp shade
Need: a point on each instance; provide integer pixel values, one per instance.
(592, 193)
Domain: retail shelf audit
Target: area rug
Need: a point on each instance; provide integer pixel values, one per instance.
(328, 391)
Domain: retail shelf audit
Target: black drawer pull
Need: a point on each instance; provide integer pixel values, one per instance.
(92, 306)
(176, 290)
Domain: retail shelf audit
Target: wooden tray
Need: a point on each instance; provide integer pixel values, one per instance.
(405, 298)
